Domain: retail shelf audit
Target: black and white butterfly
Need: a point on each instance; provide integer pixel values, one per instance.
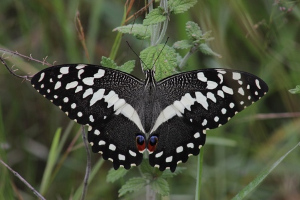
(127, 116)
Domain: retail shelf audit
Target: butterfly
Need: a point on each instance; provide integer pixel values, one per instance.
(168, 118)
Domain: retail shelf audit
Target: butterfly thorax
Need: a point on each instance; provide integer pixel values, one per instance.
(149, 105)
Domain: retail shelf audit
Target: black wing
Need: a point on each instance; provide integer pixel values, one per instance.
(101, 98)
(196, 101)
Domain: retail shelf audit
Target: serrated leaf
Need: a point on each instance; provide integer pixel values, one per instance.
(182, 44)
(140, 31)
(193, 31)
(169, 174)
(127, 67)
(204, 48)
(180, 6)
(114, 175)
(165, 59)
(107, 62)
(132, 185)
(155, 16)
(296, 90)
(160, 186)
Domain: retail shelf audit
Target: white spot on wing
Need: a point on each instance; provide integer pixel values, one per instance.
(220, 77)
(201, 77)
(187, 100)
(211, 96)
(133, 154)
(78, 89)
(41, 77)
(88, 81)
(204, 123)
(169, 159)
(202, 100)
(80, 66)
(211, 85)
(227, 90)
(197, 135)
(87, 92)
(178, 105)
(221, 93)
(159, 154)
(179, 149)
(97, 96)
(121, 157)
(57, 85)
(112, 147)
(241, 91)
(236, 75)
(190, 145)
(71, 85)
(101, 142)
(64, 70)
(257, 83)
(99, 74)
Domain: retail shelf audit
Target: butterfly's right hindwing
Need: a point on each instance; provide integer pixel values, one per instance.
(101, 98)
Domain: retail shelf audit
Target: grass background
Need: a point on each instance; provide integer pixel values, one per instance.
(261, 37)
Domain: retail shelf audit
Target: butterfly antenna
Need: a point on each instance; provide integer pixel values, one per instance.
(136, 54)
(27, 78)
(160, 53)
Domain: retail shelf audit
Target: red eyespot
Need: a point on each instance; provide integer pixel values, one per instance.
(152, 143)
(140, 143)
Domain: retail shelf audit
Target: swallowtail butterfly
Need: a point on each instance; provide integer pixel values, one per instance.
(127, 116)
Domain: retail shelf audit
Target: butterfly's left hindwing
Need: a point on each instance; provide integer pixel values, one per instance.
(102, 99)
(193, 102)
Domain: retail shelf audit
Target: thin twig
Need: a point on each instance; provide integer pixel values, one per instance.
(44, 62)
(88, 165)
(35, 192)
(81, 36)
(272, 116)
(27, 78)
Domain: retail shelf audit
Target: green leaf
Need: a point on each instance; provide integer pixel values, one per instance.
(169, 174)
(132, 185)
(182, 44)
(251, 186)
(204, 48)
(160, 186)
(180, 6)
(296, 90)
(140, 31)
(107, 62)
(163, 56)
(127, 67)
(114, 175)
(193, 31)
(155, 16)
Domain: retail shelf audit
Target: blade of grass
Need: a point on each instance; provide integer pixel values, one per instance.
(252, 185)
(199, 174)
(53, 155)
(117, 41)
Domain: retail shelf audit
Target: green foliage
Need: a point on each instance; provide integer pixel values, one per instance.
(126, 67)
(157, 15)
(133, 184)
(180, 6)
(114, 175)
(162, 57)
(160, 186)
(296, 90)
(137, 30)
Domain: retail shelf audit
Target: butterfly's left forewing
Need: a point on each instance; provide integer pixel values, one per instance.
(102, 99)
(196, 101)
